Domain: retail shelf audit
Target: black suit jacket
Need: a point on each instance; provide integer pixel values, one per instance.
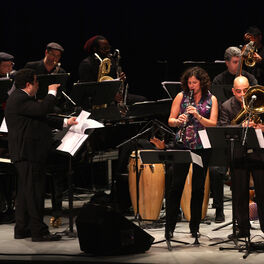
(29, 128)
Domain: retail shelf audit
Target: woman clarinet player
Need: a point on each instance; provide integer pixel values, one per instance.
(192, 109)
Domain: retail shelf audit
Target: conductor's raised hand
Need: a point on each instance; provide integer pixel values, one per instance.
(54, 87)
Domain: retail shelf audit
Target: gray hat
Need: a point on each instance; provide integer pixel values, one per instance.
(6, 57)
(54, 45)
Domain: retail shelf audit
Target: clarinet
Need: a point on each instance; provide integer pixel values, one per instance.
(185, 124)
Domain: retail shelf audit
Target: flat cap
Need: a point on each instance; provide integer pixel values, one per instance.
(54, 45)
(6, 57)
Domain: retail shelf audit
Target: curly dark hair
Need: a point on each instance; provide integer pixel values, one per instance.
(201, 75)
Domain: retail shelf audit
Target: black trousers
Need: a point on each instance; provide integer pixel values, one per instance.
(31, 185)
(175, 179)
(244, 165)
(217, 176)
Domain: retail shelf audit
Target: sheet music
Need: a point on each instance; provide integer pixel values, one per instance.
(197, 159)
(260, 137)
(3, 127)
(204, 138)
(75, 136)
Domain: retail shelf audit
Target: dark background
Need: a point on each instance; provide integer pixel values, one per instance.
(154, 37)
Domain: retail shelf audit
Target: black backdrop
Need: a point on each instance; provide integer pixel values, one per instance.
(154, 37)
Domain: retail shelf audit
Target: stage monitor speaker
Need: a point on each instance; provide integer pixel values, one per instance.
(103, 231)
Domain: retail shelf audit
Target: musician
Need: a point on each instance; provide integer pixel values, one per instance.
(232, 58)
(51, 62)
(245, 161)
(89, 67)
(193, 114)
(29, 140)
(258, 69)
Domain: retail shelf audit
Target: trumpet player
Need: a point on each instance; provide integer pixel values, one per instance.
(51, 62)
(245, 161)
(201, 112)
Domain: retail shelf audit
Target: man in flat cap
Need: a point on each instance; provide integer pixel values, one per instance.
(51, 61)
(6, 65)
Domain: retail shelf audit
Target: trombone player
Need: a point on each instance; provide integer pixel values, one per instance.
(245, 160)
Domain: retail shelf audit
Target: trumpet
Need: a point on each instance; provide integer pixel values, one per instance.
(184, 126)
(249, 50)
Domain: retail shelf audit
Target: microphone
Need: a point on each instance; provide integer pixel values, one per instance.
(253, 99)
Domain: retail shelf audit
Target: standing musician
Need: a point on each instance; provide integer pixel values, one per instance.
(29, 141)
(190, 115)
(245, 161)
(98, 48)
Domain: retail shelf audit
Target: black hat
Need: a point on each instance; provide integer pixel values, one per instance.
(6, 57)
(54, 45)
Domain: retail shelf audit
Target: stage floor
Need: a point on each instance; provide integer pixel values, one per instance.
(68, 250)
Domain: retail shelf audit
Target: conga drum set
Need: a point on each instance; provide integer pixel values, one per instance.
(151, 188)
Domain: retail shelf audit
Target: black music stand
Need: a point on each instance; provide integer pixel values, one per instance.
(47, 79)
(5, 86)
(229, 137)
(69, 231)
(170, 156)
(97, 98)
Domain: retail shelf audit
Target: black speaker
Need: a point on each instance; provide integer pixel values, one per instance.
(103, 231)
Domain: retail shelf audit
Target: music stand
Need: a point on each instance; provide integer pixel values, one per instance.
(47, 79)
(5, 86)
(97, 98)
(170, 156)
(228, 137)
(171, 88)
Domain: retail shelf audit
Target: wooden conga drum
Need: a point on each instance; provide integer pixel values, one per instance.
(187, 194)
(151, 188)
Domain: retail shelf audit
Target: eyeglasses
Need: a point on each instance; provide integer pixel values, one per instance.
(239, 91)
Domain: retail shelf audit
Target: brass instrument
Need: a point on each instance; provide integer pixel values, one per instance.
(256, 108)
(104, 69)
(249, 50)
(123, 89)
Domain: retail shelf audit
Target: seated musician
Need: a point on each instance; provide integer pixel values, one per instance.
(7, 177)
(98, 48)
(51, 62)
(190, 114)
(245, 161)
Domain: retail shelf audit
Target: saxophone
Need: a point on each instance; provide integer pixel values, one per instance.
(123, 88)
(104, 69)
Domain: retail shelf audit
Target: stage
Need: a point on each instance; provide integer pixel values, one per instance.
(68, 249)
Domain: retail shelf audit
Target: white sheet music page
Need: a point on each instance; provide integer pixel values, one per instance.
(204, 138)
(197, 159)
(75, 137)
(3, 127)
(260, 137)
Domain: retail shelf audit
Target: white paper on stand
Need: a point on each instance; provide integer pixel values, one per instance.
(204, 139)
(75, 137)
(260, 137)
(3, 127)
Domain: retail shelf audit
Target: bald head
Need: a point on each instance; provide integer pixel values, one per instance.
(240, 87)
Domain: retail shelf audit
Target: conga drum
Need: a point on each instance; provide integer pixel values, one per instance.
(187, 194)
(151, 188)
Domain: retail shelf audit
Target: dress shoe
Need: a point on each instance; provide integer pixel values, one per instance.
(168, 234)
(48, 237)
(219, 215)
(22, 235)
